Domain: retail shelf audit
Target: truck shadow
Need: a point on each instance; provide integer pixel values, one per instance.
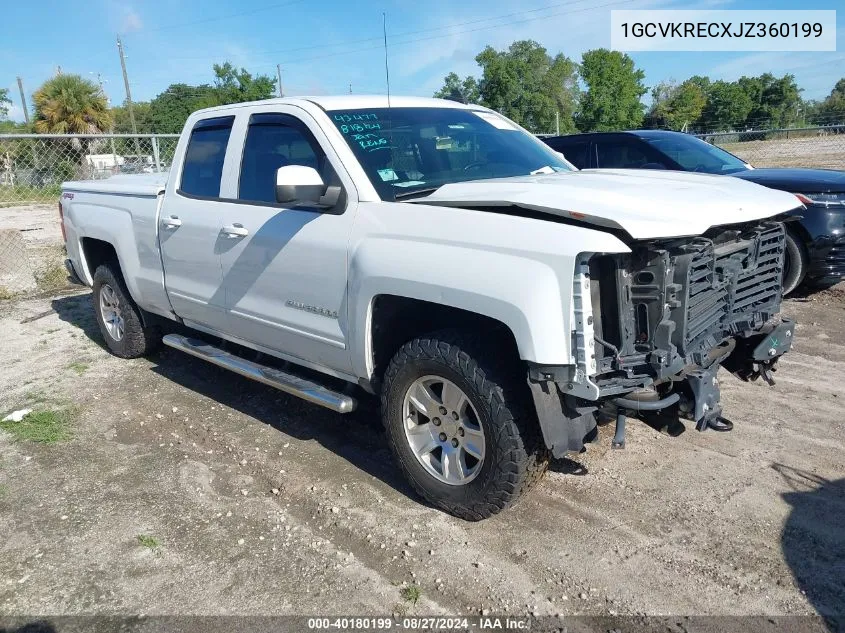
(813, 541)
(38, 626)
(79, 312)
(358, 437)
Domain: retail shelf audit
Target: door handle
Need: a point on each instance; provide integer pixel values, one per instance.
(234, 230)
(171, 222)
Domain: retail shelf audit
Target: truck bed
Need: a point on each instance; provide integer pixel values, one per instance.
(126, 184)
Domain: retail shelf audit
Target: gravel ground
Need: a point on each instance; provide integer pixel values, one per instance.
(822, 152)
(185, 489)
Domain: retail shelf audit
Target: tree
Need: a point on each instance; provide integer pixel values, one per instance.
(69, 104)
(5, 102)
(528, 85)
(460, 90)
(676, 106)
(170, 109)
(236, 86)
(143, 118)
(832, 109)
(728, 107)
(776, 101)
(614, 88)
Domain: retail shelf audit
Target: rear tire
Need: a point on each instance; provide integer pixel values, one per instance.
(496, 415)
(119, 317)
(795, 264)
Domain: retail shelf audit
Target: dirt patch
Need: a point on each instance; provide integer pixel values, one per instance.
(32, 253)
(38, 223)
(822, 152)
(185, 489)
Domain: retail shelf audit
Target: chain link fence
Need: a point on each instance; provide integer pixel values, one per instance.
(32, 169)
(33, 166)
(819, 147)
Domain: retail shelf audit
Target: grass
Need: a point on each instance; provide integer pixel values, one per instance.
(52, 278)
(37, 396)
(47, 426)
(150, 542)
(24, 194)
(78, 367)
(5, 293)
(410, 593)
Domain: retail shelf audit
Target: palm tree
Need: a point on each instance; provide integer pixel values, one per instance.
(69, 104)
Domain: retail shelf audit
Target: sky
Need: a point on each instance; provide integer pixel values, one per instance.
(324, 47)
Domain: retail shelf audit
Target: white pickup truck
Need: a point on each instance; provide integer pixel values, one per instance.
(437, 255)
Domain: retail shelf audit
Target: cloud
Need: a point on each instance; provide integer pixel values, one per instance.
(131, 21)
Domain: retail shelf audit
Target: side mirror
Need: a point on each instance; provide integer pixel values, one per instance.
(298, 183)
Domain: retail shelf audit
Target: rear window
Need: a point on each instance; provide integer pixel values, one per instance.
(203, 168)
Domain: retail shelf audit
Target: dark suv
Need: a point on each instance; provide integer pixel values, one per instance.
(815, 243)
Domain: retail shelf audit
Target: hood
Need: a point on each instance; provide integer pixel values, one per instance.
(645, 204)
(797, 180)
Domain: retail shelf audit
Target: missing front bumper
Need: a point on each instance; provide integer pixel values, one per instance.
(568, 422)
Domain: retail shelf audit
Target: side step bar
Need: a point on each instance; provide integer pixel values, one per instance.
(294, 385)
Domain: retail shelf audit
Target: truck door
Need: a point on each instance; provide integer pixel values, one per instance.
(189, 226)
(285, 265)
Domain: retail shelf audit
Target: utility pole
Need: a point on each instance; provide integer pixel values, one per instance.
(108, 103)
(126, 85)
(557, 123)
(23, 101)
(279, 75)
(350, 87)
(128, 94)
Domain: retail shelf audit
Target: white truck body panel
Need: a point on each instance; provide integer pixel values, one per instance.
(122, 184)
(302, 283)
(128, 221)
(518, 271)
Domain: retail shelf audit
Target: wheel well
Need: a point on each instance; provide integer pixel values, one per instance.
(97, 252)
(397, 320)
(801, 235)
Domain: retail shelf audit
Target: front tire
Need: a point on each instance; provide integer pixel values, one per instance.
(794, 265)
(119, 317)
(460, 425)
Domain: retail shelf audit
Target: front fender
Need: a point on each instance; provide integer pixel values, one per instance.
(529, 291)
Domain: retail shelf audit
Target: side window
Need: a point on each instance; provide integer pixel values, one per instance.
(203, 166)
(273, 141)
(621, 155)
(576, 153)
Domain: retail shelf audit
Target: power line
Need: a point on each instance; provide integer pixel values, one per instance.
(229, 16)
(451, 34)
(377, 38)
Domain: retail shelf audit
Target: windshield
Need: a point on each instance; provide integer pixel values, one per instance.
(412, 151)
(693, 154)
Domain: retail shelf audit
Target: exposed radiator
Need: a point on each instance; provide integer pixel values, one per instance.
(730, 284)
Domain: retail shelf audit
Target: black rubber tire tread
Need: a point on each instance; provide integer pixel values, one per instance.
(516, 457)
(137, 340)
(797, 261)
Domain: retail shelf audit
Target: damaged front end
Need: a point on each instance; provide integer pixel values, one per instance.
(652, 328)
